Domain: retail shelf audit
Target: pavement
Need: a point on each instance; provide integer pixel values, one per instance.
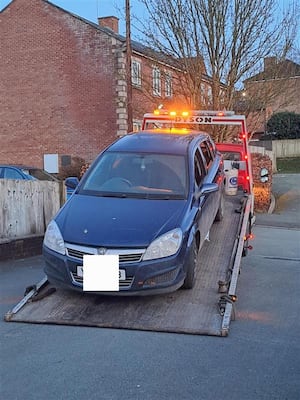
(286, 210)
(259, 360)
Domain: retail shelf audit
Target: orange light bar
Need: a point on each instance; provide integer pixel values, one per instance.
(161, 111)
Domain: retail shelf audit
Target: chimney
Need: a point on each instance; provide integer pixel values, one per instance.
(270, 63)
(111, 23)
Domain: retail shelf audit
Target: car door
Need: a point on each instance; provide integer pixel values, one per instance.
(202, 218)
(213, 175)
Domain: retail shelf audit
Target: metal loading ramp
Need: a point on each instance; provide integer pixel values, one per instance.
(193, 311)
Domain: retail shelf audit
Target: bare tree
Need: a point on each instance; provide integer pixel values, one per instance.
(231, 36)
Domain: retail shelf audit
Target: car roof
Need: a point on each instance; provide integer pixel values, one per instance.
(158, 141)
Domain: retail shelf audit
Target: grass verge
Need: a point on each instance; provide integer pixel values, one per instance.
(288, 165)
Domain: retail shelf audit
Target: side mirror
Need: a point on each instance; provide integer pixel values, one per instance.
(208, 188)
(72, 182)
(264, 175)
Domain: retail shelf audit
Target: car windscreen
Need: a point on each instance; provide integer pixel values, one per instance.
(143, 175)
(231, 155)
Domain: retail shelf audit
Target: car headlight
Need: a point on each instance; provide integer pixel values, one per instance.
(53, 239)
(164, 246)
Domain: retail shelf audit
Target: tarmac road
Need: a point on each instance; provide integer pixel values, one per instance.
(259, 360)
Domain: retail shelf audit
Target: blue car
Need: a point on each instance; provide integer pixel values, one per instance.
(24, 172)
(149, 198)
(13, 172)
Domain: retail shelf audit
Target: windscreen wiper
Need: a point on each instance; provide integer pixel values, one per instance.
(113, 194)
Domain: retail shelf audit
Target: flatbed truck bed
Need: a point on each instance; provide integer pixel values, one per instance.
(206, 309)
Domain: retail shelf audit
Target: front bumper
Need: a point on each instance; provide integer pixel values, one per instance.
(142, 278)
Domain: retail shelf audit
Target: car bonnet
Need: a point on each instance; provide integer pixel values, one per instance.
(118, 222)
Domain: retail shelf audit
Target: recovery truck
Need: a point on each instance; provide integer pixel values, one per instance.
(206, 309)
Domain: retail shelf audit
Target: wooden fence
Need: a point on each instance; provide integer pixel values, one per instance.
(286, 148)
(276, 149)
(26, 207)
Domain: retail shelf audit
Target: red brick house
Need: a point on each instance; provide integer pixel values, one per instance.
(63, 84)
(275, 89)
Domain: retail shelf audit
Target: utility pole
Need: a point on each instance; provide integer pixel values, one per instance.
(128, 69)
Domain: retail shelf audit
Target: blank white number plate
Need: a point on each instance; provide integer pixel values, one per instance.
(122, 273)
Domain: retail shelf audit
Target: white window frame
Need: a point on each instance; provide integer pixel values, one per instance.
(168, 84)
(203, 93)
(156, 81)
(137, 125)
(136, 73)
(209, 93)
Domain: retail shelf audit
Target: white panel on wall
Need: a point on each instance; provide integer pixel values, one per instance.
(51, 163)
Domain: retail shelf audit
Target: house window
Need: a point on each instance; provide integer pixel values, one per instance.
(136, 77)
(209, 94)
(168, 85)
(156, 81)
(203, 93)
(137, 125)
(222, 96)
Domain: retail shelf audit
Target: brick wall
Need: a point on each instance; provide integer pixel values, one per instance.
(20, 248)
(143, 99)
(57, 83)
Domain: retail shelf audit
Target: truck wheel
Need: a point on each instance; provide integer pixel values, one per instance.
(191, 264)
(220, 213)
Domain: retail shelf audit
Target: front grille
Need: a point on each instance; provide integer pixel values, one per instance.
(125, 284)
(125, 255)
(77, 253)
(125, 258)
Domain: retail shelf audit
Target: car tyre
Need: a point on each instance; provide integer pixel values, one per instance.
(220, 213)
(191, 264)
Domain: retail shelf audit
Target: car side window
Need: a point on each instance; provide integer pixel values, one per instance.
(198, 168)
(10, 173)
(206, 153)
(212, 147)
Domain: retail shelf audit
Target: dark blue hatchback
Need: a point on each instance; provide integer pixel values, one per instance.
(150, 198)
